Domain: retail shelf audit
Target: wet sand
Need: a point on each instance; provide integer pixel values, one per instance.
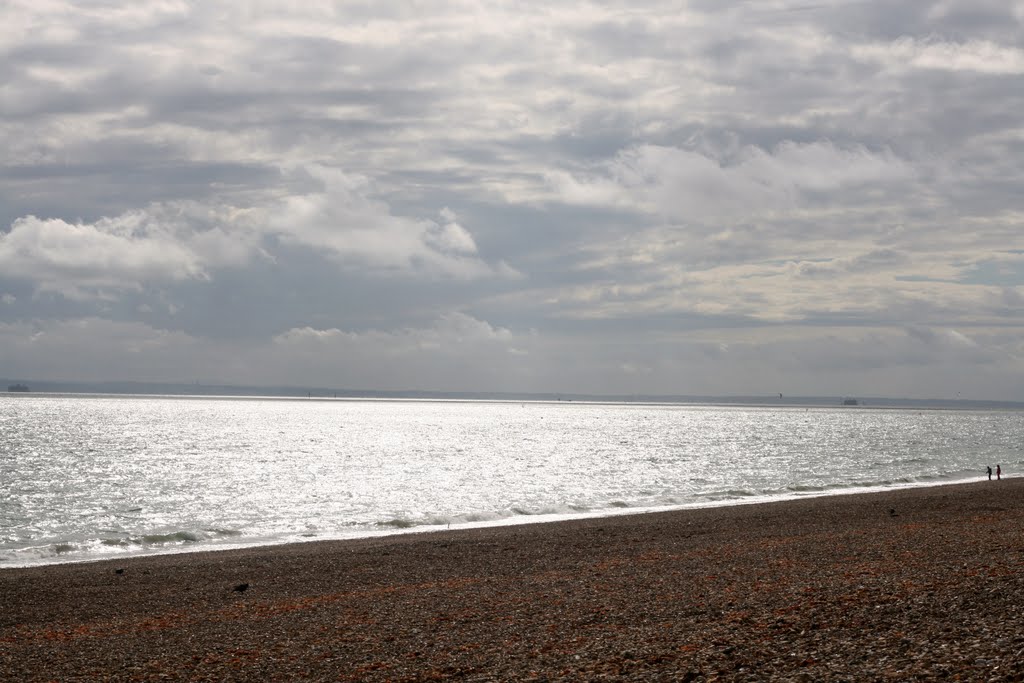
(921, 584)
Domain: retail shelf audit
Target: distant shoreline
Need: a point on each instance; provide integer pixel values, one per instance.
(274, 392)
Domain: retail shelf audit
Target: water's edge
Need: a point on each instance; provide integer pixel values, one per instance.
(188, 546)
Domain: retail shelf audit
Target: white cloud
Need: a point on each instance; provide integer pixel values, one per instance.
(359, 231)
(76, 259)
(981, 56)
(178, 241)
(690, 185)
(159, 244)
(451, 237)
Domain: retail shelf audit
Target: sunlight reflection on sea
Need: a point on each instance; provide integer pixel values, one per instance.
(91, 477)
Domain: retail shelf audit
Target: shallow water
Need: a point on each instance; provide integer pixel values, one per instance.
(96, 477)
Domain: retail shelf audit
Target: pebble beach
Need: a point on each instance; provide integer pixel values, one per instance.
(915, 584)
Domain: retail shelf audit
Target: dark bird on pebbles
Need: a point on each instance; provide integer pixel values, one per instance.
(241, 588)
(892, 512)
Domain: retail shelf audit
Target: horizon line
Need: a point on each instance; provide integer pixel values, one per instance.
(298, 391)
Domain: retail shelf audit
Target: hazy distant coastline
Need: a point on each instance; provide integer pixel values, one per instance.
(199, 389)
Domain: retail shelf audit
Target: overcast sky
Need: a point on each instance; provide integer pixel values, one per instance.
(812, 197)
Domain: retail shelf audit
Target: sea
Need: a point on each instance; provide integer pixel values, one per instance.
(98, 477)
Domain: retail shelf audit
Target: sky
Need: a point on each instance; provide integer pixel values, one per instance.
(704, 197)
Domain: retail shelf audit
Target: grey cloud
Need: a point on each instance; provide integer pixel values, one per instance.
(878, 259)
(629, 196)
(693, 187)
(185, 240)
(349, 225)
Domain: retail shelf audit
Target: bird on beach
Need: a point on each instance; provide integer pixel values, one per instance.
(241, 588)
(892, 512)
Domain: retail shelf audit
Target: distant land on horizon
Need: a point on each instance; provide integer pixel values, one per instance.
(226, 390)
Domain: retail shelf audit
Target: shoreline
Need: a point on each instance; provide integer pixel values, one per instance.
(905, 584)
(511, 521)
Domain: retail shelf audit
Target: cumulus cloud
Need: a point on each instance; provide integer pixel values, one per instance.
(155, 245)
(107, 255)
(178, 241)
(355, 229)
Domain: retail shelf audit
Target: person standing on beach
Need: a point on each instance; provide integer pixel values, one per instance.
(999, 472)
(989, 468)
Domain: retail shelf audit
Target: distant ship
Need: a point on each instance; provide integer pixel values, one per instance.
(850, 402)
(18, 387)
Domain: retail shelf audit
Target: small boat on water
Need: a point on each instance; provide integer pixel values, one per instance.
(18, 388)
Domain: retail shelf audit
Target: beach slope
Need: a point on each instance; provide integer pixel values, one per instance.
(920, 584)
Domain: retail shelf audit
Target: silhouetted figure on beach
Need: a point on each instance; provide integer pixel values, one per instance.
(999, 472)
(989, 473)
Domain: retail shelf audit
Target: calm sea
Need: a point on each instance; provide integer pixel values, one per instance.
(97, 477)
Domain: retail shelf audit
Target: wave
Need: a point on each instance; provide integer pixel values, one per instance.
(565, 510)
(646, 501)
(727, 494)
(796, 490)
(406, 522)
(173, 537)
(158, 541)
(806, 488)
(86, 549)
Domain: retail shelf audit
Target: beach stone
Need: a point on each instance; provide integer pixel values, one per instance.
(808, 590)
